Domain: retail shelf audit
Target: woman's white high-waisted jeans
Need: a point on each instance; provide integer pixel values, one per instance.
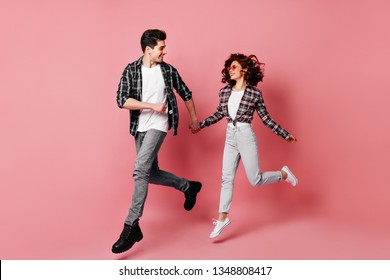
(241, 143)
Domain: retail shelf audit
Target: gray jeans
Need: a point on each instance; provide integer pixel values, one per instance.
(146, 171)
(241, 143)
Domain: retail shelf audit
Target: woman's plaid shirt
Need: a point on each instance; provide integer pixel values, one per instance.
(251, 101)
(130, 86)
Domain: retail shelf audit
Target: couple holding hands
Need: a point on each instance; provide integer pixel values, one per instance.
(146, 90)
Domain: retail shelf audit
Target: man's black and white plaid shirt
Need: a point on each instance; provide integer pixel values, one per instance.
(130, 86)
(251, 101)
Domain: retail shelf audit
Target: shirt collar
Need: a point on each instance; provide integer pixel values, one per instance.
(138, 63)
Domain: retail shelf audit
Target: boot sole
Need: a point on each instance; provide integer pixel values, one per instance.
(139, 238)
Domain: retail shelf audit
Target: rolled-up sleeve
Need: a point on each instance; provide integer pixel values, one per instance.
(124, 89)
(180, 87)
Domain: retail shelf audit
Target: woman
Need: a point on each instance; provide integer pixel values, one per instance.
(238, 102)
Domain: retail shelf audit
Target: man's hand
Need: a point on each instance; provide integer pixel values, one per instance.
(195, 127)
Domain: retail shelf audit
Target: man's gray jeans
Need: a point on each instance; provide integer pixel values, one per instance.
(146, 171)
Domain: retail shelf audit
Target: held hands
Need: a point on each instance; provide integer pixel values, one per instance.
(194, 127)
(162, 107)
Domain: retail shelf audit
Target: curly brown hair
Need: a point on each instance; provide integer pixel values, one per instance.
(254, 71)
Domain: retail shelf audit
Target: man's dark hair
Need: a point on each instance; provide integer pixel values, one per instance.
(150, 37)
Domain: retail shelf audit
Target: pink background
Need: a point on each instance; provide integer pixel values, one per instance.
(67, 156)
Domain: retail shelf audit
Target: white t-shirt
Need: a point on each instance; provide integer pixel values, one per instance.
(153, 92)
(234, 103)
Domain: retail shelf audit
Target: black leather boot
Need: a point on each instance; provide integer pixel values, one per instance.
(190, 194)
(128, 237)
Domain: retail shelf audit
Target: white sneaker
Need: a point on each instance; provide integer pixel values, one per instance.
(290, 176)
(219, 226)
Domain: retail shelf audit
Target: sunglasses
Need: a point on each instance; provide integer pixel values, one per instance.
(232, 67)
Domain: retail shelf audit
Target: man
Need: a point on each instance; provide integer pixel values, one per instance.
(146, 90)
